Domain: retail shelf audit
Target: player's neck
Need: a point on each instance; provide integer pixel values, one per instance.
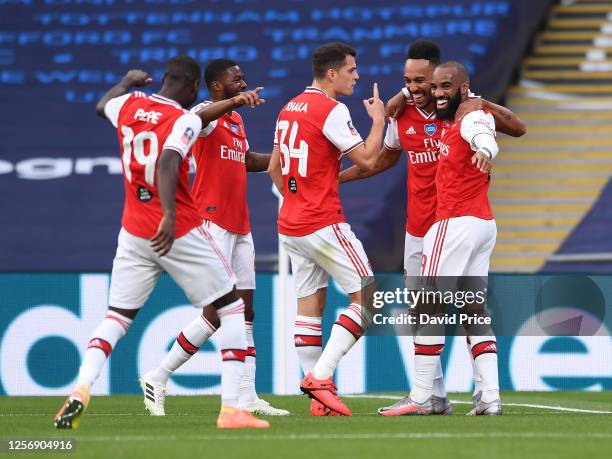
(167, 94)
(326, 88)
(428, 109)
(216, 97)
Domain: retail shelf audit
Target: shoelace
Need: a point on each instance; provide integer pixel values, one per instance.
(331, 387)
(404, 401)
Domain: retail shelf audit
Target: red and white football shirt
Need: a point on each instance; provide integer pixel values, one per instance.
(418, 133)
(219, 188)
(313, 132)
(146, 126)
(462, 188)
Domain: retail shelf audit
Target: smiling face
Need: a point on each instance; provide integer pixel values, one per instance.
(345, 78)
(232, 82)
(418, 74)
(449, 88)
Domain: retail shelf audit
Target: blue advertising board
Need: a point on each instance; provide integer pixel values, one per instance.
(47, 319)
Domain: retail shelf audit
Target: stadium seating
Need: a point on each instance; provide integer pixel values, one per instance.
(547, 184)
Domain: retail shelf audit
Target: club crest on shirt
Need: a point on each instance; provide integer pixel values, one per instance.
(349, 123)
(187, 135)
(430, 129)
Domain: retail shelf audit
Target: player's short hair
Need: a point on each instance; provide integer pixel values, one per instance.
(330, 56)
(461, 69)
(183, 69)
(215, 70)
(425, 49)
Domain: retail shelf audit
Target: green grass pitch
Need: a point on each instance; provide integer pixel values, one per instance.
(117, 426)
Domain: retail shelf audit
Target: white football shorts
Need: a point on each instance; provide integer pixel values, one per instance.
(413, 258)
(333, 250)
(459, 246)
(195, 262)
(239, 250)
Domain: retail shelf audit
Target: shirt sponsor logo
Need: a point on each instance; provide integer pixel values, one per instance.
(232, 154)
(430, 129)
(422, 157)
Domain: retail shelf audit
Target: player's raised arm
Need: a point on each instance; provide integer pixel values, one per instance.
(211, 112)
(386, 159)
(274, 169)
(388, 156)
(365, 155)
(506, 120)
(257, 162)
(134, 78)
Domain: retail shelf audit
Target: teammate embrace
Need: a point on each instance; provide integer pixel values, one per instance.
(201, 236)
(449, 138)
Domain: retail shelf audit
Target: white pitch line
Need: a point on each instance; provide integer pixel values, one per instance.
(350, 436)
(556, 408)
(523, 405)
(384, 397)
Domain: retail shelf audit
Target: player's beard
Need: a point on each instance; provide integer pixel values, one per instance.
(453, 104)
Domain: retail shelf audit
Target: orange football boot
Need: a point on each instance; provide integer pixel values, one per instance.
(235, 418)
(318, 409)
(69, 415)
(324, 391)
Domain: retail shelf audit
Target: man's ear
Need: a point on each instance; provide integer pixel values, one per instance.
(215, 86)
(196, 86)
(331, 74)
(465, 88)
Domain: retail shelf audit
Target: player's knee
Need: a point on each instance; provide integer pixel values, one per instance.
(127, 313)
(355, 297)
(209, 313)
(226, 299)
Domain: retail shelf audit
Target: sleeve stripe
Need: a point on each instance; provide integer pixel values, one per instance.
(481, 133)
(170, 147)
(391, 148)
(348, 150)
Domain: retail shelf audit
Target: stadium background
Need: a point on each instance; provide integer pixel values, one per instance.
(60, 174)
